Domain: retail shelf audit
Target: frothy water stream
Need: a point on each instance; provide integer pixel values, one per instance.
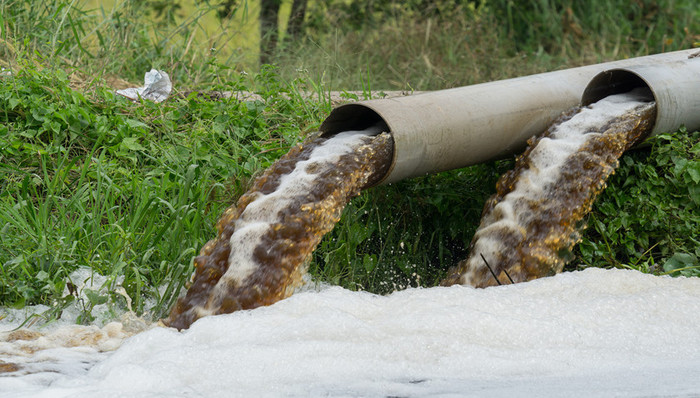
(591, 333)
(266, 239)
(529, 227)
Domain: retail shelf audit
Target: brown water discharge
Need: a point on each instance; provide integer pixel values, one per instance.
(266, 239)
(527, 230)
(529, 227)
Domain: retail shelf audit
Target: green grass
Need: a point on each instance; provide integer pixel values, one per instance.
(456, 43)
(133, 190)
(408, 233)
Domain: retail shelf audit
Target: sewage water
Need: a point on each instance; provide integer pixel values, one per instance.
(266, 238)
(529, 227)
(591, 333)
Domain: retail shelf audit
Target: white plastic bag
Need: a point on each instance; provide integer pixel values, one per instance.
(157, 87)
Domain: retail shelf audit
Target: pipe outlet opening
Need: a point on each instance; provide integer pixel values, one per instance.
(673, 86)
(611, 82)
(356, 117)
(351, 117)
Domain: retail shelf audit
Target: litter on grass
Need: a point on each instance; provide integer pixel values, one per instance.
(157, 87)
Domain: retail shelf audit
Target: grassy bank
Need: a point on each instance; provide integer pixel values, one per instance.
(132, 190)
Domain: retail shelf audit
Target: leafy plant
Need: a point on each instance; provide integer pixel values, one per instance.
(649, 216)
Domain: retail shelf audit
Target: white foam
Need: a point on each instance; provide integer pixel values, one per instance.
(591, 333)
(82, 279)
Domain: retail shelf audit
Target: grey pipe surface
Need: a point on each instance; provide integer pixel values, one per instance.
(454, 128)
(674, 85)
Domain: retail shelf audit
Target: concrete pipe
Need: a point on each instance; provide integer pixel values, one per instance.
(675, 87)
(449, 129)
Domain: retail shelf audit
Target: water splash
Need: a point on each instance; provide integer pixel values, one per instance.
(266, 239)
(529, 227)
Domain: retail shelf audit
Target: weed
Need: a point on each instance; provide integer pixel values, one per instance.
(648, 217)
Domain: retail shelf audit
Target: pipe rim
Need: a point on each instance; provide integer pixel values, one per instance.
(611, 82)
(359, 116)
(617, 81)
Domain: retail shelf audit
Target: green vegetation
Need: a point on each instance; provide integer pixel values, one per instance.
(133, 190)
(129, 190)
(649, 216)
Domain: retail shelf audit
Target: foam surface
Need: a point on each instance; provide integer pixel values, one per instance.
(590, 333)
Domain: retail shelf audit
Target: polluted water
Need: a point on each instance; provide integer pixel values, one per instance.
(265, 240)
(589, 333)
(529, 227)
